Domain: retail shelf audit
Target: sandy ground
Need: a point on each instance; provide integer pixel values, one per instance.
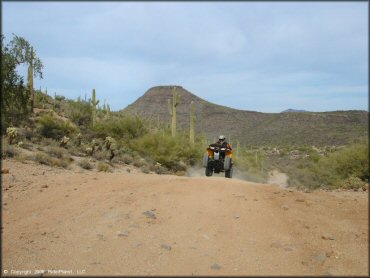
(121, 223)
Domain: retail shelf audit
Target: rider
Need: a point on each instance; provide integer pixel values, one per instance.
(223, 143)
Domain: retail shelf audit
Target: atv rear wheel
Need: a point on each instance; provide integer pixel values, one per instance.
(229, 173)
(209, 172)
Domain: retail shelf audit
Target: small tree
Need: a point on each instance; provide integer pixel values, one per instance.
(24, 53)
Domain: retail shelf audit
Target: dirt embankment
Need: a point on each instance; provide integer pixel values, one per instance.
(125, 223)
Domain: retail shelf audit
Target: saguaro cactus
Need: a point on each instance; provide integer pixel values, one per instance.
(173, 111)
(108, 110)
(237, 148)
(94, 103)
(192, 122)
(30, 79)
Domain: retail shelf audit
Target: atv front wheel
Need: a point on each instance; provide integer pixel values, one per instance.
(209, 172)
(205, 160)
(229, 173)
(227, 163)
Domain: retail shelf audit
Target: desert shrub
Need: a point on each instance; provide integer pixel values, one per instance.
(139, 162)
(56, 152)
(21, 158)
(344, 168)
(49, 142)
(252, 165)
(51, 127)
(42, 158)
(9, 151)
(59, 98)
(85, 164)
(100, 155)
(167, 150)
(41, 100)
(103, 167)
(145, 169)
(351, 183)
(127, 159)
(80, 112)
(352, 161)
(158, 169)
(26, 146)
(125, 127)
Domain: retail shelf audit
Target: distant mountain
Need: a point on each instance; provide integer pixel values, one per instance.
(249, 127)
(293, 111)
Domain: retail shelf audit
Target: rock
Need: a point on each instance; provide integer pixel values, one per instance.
(255, 200)
(328, 237)
(205, 236)
(150, 214)
(299, 200)
(128, 170)
(288, 248)
(276, 244)
(216, 267)
(43, 233)
(236, 216)
(284, 207)
(320, 257)
(122, 234)
(165, 246)
(5, 171)
(44, 186)
(329, 254)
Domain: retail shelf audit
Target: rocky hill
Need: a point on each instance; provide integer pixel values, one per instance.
(255, 128)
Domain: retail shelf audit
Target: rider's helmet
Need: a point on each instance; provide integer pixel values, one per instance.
(221, 138)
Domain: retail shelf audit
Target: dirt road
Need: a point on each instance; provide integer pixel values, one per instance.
(84, 222)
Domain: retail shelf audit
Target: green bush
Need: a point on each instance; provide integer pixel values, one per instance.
(85, 164)
(351, 161)
(56, 152)
(54, 128)
(100, 155)
(124, 127)
(172, 152)
(9, 151)
(127, 159)
(252, 165)
(80, 112)
(103, 167)
(351, 183)
(344, 168)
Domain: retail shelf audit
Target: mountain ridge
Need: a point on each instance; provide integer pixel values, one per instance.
(252, 127)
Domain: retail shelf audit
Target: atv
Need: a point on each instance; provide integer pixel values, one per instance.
(218, 159)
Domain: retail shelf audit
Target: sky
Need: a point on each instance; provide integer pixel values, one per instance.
(259, 56)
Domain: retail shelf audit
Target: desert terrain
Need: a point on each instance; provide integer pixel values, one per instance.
(81, 222)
